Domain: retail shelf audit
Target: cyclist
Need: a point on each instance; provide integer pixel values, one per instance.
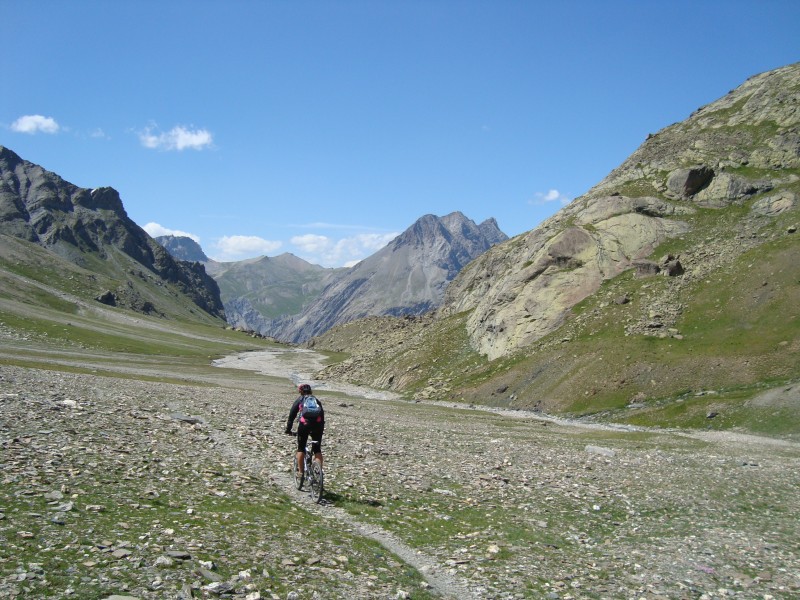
(308, 425)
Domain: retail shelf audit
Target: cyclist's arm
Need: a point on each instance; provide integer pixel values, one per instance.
(293, 414)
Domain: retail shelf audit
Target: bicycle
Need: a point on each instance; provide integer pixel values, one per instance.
(312, 471)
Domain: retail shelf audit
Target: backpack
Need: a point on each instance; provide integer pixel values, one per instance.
(310, 410)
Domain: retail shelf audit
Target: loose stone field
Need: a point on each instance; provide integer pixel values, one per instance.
(147, 489)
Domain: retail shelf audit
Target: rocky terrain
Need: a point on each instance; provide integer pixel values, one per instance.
(136, 488)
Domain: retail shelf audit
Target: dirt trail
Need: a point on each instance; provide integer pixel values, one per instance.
(436, 575)
(297, 365)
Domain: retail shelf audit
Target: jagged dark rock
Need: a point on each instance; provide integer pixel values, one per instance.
(687, 182)
(74, 223)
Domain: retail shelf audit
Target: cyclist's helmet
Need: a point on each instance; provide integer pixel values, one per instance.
(304, 389)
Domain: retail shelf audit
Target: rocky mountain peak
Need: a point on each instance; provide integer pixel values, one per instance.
(77, 223)
(406, 277)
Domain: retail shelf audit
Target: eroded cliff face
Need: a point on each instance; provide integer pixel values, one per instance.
(522, 290)
(743, 146)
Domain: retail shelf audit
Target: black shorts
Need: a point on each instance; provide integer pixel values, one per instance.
(303, 431)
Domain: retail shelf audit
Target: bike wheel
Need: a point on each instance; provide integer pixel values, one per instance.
(298, 478)
(317, 478)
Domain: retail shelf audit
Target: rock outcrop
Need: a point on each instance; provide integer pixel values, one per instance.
(733, 150)
(522, 290)
(182, 248)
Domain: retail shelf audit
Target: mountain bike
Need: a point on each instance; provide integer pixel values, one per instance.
(312, 475)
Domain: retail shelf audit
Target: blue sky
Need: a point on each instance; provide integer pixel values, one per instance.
(324, 129)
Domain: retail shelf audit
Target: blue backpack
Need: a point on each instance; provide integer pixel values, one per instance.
(310, 410)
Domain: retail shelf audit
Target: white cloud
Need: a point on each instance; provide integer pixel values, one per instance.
(156, 230)
(239, 247)
(35, 124)
(322, 250)
(375, 241)
(311, 243)
(177, 138)
(550, 196)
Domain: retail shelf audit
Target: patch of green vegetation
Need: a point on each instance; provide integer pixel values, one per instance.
(723, 114)
(131, 521)
(639, 188)
(723, 409)
(184, 340)
(750, 172)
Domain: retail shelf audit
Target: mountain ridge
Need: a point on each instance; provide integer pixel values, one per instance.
(90, 228)
(289, 299)
(408, 276)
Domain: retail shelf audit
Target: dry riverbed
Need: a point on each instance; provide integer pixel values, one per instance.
(160, 490)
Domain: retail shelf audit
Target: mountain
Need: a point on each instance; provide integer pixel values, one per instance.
(90, 229)
(256, 290)
(182, 248)
(742, 147)
(406, 277)
(667, 293)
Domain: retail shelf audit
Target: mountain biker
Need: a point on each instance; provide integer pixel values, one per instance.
(306, 426)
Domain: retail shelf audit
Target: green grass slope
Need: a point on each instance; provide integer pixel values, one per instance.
(47, 303)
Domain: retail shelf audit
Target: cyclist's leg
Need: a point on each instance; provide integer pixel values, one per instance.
(302, 438)
(316, 435)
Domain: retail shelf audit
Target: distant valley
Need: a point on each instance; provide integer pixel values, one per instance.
(290, 300)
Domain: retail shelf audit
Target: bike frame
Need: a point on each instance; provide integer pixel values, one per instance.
(312, 470)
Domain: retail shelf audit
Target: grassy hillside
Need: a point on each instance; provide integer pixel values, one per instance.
(273, 294)
(46, 302)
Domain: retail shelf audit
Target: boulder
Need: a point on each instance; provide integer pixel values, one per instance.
(726, 189)
(774, 204)
(673, 268)
(685, 183)
(108, 298)
(646, 268)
